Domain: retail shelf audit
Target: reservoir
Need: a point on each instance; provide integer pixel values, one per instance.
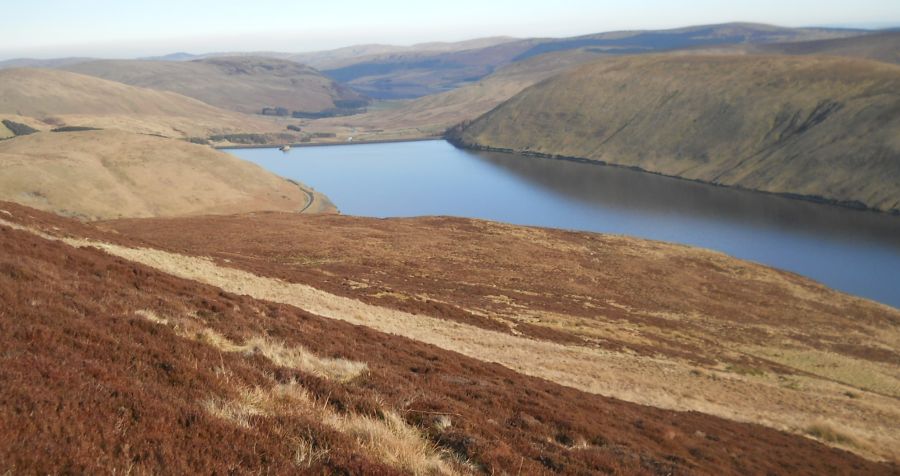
(853, 251)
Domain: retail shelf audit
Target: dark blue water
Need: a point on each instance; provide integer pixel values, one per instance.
(857, 252)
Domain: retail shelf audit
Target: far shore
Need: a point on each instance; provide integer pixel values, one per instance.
(324, 144)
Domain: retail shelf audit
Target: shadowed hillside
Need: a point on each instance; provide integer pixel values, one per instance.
(419, 73)
(61, 98)
(826, 128)
(246, 84)
(880, 46)
(108, 174)
(432, 115)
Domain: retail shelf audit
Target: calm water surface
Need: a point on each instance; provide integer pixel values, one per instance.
(857, 252)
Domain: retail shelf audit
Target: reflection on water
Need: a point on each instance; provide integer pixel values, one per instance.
(627, 189)
(854, 251)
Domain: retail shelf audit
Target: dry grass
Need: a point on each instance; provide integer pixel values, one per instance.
(76, 99)
(263, 82)
(863, 374)
(110, 174)
(661, 382)
(393, 441)
(826, 432)
(389, 438)
(296, 357)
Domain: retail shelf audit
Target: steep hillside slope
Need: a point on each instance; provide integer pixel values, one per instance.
(825, 128)
(65, 98)
(107, 174)
(653, 323)
(131, 368)
(245, 84)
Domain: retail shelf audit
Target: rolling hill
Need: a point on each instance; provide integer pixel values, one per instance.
(878, 46)
(331, 59)
(110, 174)
(242, 83)
(63, 98)
(820, 127)
(41, 63)
(430, 116)
(396, 75)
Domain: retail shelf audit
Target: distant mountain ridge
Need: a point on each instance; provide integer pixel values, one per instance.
(398, 72)
(416, 74)
(244, 83)
(881, 46)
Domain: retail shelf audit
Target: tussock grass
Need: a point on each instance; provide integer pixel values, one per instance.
(826, 432)
(393, 441)
(388, 438)
(152, 317)
(296, 357)
(342, 370)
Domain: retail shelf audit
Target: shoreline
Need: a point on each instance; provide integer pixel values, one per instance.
(300, 145)
(844, 204)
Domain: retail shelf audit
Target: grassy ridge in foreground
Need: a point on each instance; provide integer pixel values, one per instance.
(818, 127)
(659, 324)
(132, 368)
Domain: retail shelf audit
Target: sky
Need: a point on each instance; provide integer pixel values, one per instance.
(133, 28)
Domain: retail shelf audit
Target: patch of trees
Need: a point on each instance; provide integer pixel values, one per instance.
(276, 111)
(18, 129)
(247, 139)
(75, 129)
(343, 107)
(334, 112)
(250, 139)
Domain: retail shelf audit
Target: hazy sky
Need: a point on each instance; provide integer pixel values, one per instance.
(126, 28)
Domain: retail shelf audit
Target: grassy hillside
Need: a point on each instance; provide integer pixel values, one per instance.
(880, 46)
(332, 59)
(246, 84)
(432, 115)
(419, 73)
(178, 363)
(108, 174)
(818, 127)
(65, 98)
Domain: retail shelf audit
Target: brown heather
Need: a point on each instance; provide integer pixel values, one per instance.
(91, 384)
